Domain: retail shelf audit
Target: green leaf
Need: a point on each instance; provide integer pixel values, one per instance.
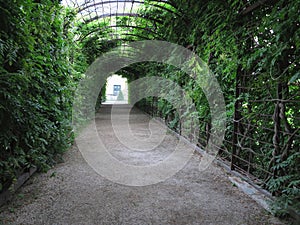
(295, 77)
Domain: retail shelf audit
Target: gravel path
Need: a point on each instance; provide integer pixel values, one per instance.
(73, 193)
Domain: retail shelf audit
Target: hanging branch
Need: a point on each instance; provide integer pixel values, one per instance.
(288, 130)
(276, 136)
(252, 7)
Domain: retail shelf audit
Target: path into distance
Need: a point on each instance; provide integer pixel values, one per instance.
(73, 193)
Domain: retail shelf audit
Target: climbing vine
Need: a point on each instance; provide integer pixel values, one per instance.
(36, 85)
(252, 47)
(253, 50)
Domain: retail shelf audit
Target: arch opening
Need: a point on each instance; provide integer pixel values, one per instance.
(116, 90)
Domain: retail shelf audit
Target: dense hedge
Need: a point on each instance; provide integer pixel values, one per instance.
(35, 86)
(252, 47)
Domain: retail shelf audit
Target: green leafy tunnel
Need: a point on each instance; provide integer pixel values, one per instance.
(252, 47)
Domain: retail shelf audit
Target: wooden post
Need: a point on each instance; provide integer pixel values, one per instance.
(276, 136)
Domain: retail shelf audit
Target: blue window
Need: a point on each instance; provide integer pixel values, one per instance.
(117, 89)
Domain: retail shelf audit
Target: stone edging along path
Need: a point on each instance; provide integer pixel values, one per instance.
(73, 193)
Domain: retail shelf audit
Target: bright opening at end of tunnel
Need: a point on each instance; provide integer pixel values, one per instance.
(116, 90)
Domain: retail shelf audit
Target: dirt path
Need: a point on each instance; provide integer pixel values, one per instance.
(73, 193)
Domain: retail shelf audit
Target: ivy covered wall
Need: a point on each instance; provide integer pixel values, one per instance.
(36, 85)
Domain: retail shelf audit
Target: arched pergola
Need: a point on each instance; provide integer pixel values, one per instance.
(104, 16)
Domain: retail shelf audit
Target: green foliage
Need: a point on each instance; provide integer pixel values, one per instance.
(35, 88)
(260, 46)
(288, 185)
(252, 48)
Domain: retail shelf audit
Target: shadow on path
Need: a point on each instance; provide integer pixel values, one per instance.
(73, 193)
